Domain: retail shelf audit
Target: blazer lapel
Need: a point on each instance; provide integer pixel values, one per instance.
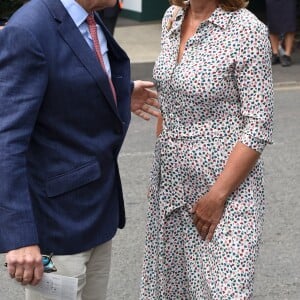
(80, 48)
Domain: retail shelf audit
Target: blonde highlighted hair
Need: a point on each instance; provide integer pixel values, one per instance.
(228, 5)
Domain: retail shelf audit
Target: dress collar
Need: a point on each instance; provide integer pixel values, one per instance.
(219, 18)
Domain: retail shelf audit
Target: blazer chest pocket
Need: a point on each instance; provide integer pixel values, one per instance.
(73, 179)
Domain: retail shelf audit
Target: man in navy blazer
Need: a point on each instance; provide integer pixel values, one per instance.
(60, 135)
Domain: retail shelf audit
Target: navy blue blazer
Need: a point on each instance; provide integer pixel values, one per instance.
(60, 133)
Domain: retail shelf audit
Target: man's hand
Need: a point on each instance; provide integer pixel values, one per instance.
(144, 100)
(25, 265)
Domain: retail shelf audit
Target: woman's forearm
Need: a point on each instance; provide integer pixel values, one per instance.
(240, 162)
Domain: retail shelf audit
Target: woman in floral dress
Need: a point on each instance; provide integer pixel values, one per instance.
(206, 196)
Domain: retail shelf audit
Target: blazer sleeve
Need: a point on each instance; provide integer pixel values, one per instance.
(23, 81)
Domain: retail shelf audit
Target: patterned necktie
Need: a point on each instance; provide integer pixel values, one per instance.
(93, 31)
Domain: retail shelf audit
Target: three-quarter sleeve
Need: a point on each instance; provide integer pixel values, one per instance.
(255, 85)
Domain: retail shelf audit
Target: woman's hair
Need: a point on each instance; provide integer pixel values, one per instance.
(228, 5)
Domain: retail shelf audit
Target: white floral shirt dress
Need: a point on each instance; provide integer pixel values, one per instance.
(219, 93)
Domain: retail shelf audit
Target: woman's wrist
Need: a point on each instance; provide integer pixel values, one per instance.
(219, 194)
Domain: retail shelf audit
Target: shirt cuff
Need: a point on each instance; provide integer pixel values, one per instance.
(253, 142)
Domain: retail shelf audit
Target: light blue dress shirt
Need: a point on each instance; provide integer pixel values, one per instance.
(79, 15)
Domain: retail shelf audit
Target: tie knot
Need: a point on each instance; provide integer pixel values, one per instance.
(90, 19)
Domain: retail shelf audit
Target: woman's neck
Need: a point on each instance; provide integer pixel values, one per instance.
(201, 10)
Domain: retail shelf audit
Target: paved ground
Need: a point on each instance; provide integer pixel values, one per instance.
(278, 273)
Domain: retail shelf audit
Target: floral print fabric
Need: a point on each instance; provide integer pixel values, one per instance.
(218, 94)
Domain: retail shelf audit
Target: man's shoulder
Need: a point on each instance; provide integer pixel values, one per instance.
(32, 13)
(32, 24)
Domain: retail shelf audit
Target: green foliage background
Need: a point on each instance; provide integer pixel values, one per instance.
(8, 7)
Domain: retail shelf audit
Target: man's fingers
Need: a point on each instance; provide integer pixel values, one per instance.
(28, 275)
(32, 275)
(145, 84)
(152, 112)
(152, 94)
(141, 114)
(153, 102)
(11, 270)
(146, 111)
(19, 273)
(37, 275)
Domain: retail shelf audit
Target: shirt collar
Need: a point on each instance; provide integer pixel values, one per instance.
(219, 17)
(76, 11)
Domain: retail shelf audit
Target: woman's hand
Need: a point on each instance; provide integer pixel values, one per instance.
(208, 211)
